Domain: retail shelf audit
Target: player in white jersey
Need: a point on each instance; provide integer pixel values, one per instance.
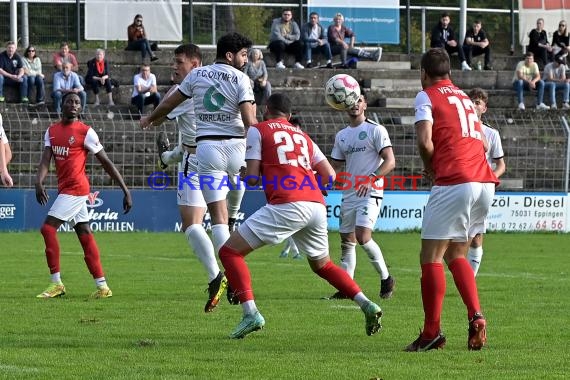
(5, 157)
(224, 105)
(495, 159)
(364, 149)
(190, 200)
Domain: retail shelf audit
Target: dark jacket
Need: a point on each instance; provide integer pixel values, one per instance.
(306, 32)
(92, 70)
(440, 36)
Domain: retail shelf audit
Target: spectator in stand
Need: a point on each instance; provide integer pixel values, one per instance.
(538, 44)
(33, 70)
(527, 77)
(442, 36)
(337, 33)
(64, 55)
(98, 76)
(315, 39)
(12, 72)
(561, 40)
(554, 77)
(285, 38)
(477, 43)
(138, 40)
(257, 73)
(144, 89)
(64, 82)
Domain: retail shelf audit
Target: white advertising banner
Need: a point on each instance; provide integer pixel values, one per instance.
(552, 11)
(108, 19)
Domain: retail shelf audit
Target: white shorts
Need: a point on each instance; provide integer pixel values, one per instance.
(70, 208)
(218, 162)
(305, 222)
(189, 194)
(359, 211)
(457, 212)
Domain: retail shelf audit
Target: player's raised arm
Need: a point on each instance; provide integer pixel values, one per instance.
(163, 109)
(43, 169)
(110, 168)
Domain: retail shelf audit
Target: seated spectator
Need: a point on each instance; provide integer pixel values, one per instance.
(337, 33)
(285, 38)
(443, 37)
(12, 72)
(561, 40)
(554, 77)
(65, 55)
(477, 43)
(138, 39)
(538, 44)
(257, 73)
(144, 89)
(33, 70)
(527, 77)
(314, 39)
(66, 81)
(5, 157)
(98, 76)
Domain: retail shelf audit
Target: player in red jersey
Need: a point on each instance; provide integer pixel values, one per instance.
(68, 142)
(451, 146)
(287, 157)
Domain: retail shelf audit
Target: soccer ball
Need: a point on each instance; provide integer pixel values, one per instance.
(342, 92)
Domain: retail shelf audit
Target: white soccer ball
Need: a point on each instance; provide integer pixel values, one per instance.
(342, 92)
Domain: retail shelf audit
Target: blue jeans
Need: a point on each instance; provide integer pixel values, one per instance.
(143, 45)
(553, 86)
(140, 100)
(37, 81)
(520, 85)
(324, 49)
(23, 85)
(58, 95)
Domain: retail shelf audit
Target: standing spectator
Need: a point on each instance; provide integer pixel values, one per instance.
(494, 155)
(98, 76)
(477, 43)
(442, 36)
(459, 201)
(70, 154)
(144, 89)
(64, 82)
(285, 38)
(138, 39)
(561, 40)
(300, 214)
(527, 77)
(33, 70)
(257, 73)
(337, 33)
(538, 44)
(315, 39)
(5, 157)
(364, 150)
(12, 72)
(554, 77)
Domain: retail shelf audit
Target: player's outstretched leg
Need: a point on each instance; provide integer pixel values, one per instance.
(162, 144)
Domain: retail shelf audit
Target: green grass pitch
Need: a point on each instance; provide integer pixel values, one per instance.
(155, 327)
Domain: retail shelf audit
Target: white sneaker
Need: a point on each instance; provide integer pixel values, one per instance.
(542, 106)
(465, 66)
(521, 106)
(280, 65)
(297, 65)
(554, 107)
(565, 106)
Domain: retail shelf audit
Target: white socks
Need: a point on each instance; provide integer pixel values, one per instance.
(234, 198)
(173, 156)
(348, 257)
(249, 307)
(474, 256)
(100, 282)
(376, 259)
(220, 234)
(56, 278)
(200, 242)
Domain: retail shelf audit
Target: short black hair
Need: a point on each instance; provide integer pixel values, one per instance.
(232, 42)
(189, 50)
(279, 103)
(67, 95)
(435, 62)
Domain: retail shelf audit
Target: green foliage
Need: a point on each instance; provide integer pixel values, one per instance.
(155, 327)
(251, 22)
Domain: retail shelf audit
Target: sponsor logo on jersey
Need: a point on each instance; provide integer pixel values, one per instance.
(71, 140)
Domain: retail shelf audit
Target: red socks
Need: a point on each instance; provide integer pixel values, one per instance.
(339, 279)
(237, 273)
(433, 292)
(466, 285)
(52, 247)
(91, 257)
